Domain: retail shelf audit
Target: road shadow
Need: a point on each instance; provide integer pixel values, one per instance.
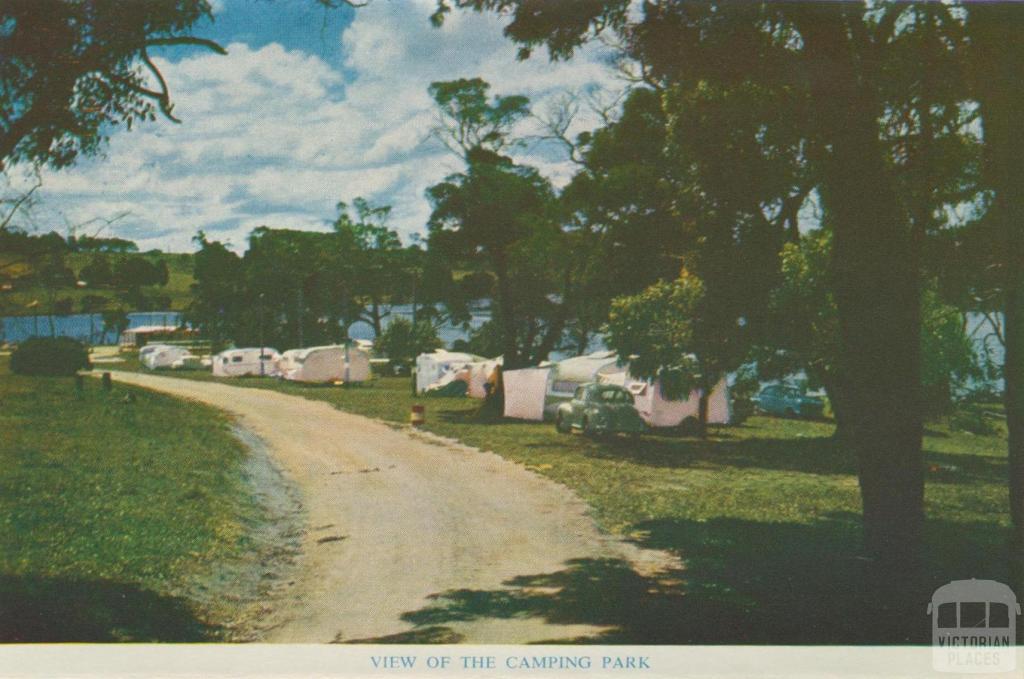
(743, 582)
(812, 455)
(43, 609)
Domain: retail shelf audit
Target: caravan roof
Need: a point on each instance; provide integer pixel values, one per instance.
(581, 369)
(445, 356)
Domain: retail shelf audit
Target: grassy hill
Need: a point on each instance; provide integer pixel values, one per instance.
(17, 301)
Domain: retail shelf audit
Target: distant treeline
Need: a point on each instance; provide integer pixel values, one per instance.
(49, 274)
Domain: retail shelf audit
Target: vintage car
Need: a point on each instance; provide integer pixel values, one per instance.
(786, 401)
(599, 409)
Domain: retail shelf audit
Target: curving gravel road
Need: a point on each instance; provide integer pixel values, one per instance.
(394, 517)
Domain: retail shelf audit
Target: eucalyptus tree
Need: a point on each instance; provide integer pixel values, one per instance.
(500, 218)
(811, 97)
(376, 260)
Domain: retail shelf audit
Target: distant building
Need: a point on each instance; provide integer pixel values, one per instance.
(134, 338)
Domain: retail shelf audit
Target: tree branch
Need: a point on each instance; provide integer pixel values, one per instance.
(19, 202)
(185, 40)
(165, 95)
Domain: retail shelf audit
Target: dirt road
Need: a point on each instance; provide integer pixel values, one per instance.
(393, 518)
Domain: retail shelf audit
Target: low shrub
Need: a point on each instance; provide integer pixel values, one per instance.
(49, 356)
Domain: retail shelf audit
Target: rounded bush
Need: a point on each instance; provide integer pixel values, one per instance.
(49, 356)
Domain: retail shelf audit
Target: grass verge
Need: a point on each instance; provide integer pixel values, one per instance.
(115, 506)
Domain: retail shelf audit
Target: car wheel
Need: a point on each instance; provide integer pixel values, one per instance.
(561, 425)
(588, 430)
(790, 412)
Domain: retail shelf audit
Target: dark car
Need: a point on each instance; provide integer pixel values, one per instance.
(787, 401)
(599, 409)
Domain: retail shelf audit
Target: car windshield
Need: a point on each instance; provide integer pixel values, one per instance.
(615, 396)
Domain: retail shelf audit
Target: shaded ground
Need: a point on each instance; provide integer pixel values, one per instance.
(49, 609)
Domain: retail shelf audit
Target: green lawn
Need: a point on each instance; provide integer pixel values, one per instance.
(765, 516)
(118, 510)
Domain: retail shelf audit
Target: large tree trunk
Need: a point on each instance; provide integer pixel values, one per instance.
(506, 312)
(1013, 373)
(876, 280)
(836, 400)
(702, 412)
(878, 300)
(996, 33)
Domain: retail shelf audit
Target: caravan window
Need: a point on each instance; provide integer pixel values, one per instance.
(265, 357)
(236, 359)
(224, 360)
(563, 387)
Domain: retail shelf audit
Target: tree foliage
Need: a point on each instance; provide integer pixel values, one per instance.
(71, 69)
(500, 219)
(402, 340)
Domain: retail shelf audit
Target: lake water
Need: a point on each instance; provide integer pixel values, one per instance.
(20, 328)
(79, 326)
(89, 327)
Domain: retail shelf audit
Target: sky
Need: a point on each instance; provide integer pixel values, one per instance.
(309, 108)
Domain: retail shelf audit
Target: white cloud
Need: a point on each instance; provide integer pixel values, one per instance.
(278, 137)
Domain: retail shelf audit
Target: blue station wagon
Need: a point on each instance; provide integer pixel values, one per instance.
(785, 401)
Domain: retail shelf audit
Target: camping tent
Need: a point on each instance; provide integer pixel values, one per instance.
(478, 375)
(325, 364)
(248, 361)
(560, 381)
(474, 375)
(163, 356)
(525, 391)
(535, 393)
(659, 411)
(431, 367)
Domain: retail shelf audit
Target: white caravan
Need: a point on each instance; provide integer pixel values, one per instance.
(659, 411)
(248, 361)
(165, 357)
(334, 363)
(149, 349)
